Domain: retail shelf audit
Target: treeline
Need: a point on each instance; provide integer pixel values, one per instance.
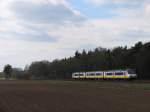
(136, 57)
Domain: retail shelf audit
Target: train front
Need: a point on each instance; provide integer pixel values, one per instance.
(132, 73)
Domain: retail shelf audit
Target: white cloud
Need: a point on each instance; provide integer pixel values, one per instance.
(49, 12)
(147, 11)
(97, 2)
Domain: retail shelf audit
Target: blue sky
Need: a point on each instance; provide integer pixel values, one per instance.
(92, 11)
(34, 30)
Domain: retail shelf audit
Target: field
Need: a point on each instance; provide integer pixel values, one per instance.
(74, 96)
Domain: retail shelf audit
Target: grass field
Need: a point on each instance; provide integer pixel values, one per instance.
(128, 85)
(74, 96)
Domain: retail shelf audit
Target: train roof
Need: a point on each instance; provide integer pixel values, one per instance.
(118, 70)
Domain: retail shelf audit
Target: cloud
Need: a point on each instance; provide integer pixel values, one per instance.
(29, 20)
(106, 33)
(147, 11)
(97, 2)
(45, 12)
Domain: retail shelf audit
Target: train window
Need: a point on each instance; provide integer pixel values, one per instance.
(81, 74)
(92, 74)
(109, 73)
(98, 73)
(87, 74)
(76, 75)
(119, 73)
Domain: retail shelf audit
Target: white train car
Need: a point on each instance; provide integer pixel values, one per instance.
(113, 74)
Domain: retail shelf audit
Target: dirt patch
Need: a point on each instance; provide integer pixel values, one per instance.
(35, 97)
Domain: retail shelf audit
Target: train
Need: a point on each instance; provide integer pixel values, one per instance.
(110, 74)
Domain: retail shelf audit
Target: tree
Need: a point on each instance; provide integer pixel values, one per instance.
(77, 54)
(143, 62)
(7, 71)
(39, 70)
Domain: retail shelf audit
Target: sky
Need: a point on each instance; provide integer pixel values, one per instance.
(34, 30)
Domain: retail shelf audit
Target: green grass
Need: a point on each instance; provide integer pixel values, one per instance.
(1, 76)
(93, 84)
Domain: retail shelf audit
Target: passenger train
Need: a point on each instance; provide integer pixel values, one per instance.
(113, 74)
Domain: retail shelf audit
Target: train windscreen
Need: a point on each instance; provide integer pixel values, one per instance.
(131, 72)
